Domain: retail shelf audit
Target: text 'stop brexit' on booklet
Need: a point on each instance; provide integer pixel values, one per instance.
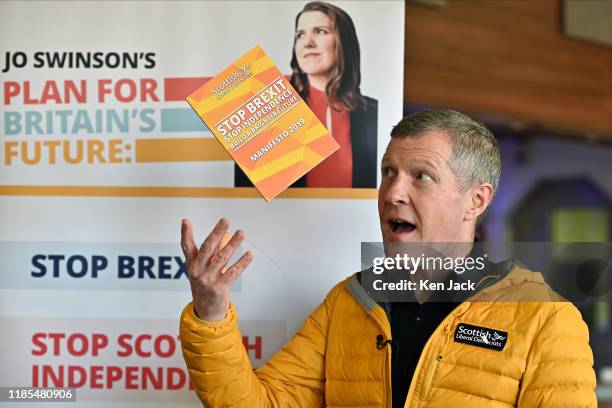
(263, 123)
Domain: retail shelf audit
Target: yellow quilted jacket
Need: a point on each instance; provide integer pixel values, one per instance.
(333, 360)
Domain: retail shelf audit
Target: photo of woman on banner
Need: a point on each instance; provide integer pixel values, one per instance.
(326, 73)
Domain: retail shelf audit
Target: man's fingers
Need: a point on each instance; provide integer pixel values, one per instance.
(236, 269)
(210, 245)
(188, 245)
(219, 262)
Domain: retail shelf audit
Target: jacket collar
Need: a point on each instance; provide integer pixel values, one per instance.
(496, 276)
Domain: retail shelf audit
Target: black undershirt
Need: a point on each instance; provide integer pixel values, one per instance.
(411, 326)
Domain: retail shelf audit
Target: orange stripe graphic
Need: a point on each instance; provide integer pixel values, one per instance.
(180, 150)
(211, 192)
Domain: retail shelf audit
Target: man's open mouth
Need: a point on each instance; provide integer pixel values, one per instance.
(400, 226)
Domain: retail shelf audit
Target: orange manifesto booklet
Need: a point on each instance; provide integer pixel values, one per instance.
(263, 123)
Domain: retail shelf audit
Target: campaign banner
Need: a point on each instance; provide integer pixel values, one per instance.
(101, 157)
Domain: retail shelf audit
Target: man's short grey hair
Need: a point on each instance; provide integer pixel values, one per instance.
(475, 155)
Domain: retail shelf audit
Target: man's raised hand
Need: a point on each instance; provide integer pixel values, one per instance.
(209, 276)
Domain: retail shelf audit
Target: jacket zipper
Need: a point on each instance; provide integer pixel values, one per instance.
(380, 320)
(437, 358)
(430, 375)
(441, 353)
(387, 377)
(431, 367)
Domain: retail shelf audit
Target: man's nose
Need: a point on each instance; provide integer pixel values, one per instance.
(398, 191)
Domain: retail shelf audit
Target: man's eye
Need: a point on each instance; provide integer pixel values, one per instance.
(423, 176)
(299, 35)
(388, 172)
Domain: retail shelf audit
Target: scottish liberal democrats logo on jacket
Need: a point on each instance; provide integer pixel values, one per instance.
(480, 336)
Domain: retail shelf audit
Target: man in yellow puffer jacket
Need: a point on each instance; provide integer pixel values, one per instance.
(439, 174)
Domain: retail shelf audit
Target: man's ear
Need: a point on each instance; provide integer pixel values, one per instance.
(480, 198)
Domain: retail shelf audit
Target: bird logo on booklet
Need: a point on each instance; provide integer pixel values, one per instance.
(263, 123)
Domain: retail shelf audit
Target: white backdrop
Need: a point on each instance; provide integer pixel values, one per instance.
(58, 217)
